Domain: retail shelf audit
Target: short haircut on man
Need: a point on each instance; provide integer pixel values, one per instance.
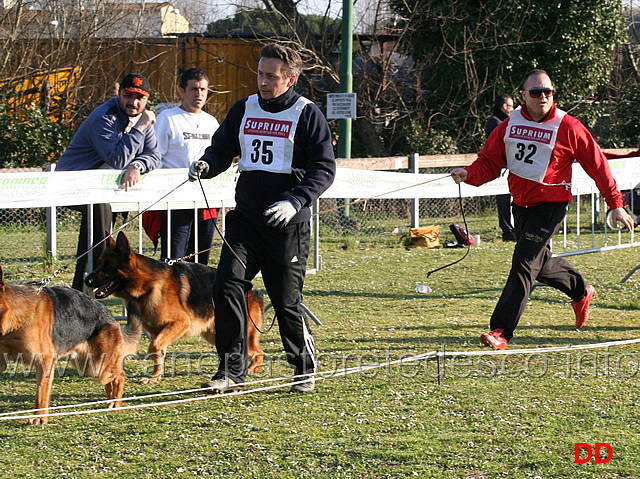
(499, 101)
(196, 74)
(291, 58)
(535, 71)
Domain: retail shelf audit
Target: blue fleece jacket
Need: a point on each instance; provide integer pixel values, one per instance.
(101, 140)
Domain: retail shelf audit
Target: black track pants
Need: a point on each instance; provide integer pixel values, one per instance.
(281, 255)
(102, 220)
(533, 261)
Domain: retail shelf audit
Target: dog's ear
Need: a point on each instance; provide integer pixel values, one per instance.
(122, 242)
(123, 247)
(1, 279)
(110, 242)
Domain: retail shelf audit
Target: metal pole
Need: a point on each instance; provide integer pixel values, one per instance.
(415, 202)
(346, 84)
(52, 243)
(346, 76)
(315, 226)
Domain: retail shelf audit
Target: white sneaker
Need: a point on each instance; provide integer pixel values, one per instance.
(303, 384)
(221, 385)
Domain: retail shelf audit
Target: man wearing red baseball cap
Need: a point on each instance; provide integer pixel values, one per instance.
(115, 135)
(134, 83)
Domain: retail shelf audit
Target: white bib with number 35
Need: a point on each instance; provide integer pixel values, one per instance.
(266, 139)
(529, 145)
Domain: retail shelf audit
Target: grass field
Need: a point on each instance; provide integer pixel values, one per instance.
(492, 416)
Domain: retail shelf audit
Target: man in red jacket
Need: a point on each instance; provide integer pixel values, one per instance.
(538, 144)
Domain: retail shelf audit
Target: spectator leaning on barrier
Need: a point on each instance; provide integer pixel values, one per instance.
(183, 133)
(538, 144)
(115, 135)
(286, 163)
(502, 107)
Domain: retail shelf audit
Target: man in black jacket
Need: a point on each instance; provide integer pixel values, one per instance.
(286, 163)
(502, 107)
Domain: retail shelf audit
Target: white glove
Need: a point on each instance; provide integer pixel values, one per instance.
(281, 213)
(197, 169)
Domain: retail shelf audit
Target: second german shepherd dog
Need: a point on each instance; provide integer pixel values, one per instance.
(175, 300)
(41, 325)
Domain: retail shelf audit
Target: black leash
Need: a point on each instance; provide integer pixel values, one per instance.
(236, 256)
(464, 219)
(360, 200)
(206, 201)
(270, 326)
(47, 280)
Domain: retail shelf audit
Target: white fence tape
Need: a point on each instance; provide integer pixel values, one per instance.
(64, 188)
(58, 188)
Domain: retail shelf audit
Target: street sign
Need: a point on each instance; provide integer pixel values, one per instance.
(341, 105)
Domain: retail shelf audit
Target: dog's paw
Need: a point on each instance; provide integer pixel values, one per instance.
(151, 380)
(256, 363)
(37, 420)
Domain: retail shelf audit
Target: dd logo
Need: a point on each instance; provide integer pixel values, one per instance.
(595, 453)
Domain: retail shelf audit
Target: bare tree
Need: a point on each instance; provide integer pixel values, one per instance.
(52, 36)
(387, 89)
(59, 34)
(202, 12)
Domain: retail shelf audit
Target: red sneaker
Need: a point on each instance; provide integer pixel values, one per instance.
(581, 308)
(494, 339)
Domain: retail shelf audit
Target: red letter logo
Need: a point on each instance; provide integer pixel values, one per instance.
(577, 452)
(597, 452)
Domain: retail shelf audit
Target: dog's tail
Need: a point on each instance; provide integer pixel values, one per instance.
(132, 331)
(259, 296)
(255, 308)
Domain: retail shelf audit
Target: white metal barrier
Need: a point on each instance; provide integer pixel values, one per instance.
(53, 189)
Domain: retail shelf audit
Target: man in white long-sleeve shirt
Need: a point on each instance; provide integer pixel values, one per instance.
(183, 133)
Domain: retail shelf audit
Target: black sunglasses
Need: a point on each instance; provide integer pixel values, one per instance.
(536, 92)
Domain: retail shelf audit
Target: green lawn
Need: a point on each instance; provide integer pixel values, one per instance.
(513, 416)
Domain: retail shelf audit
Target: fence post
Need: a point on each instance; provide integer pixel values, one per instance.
(315, 227)
(140, 234)
(89, 238)
(52, 243)
(415, 202)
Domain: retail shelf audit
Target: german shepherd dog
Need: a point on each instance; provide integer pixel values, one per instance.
(44, 325)
(175, 300)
